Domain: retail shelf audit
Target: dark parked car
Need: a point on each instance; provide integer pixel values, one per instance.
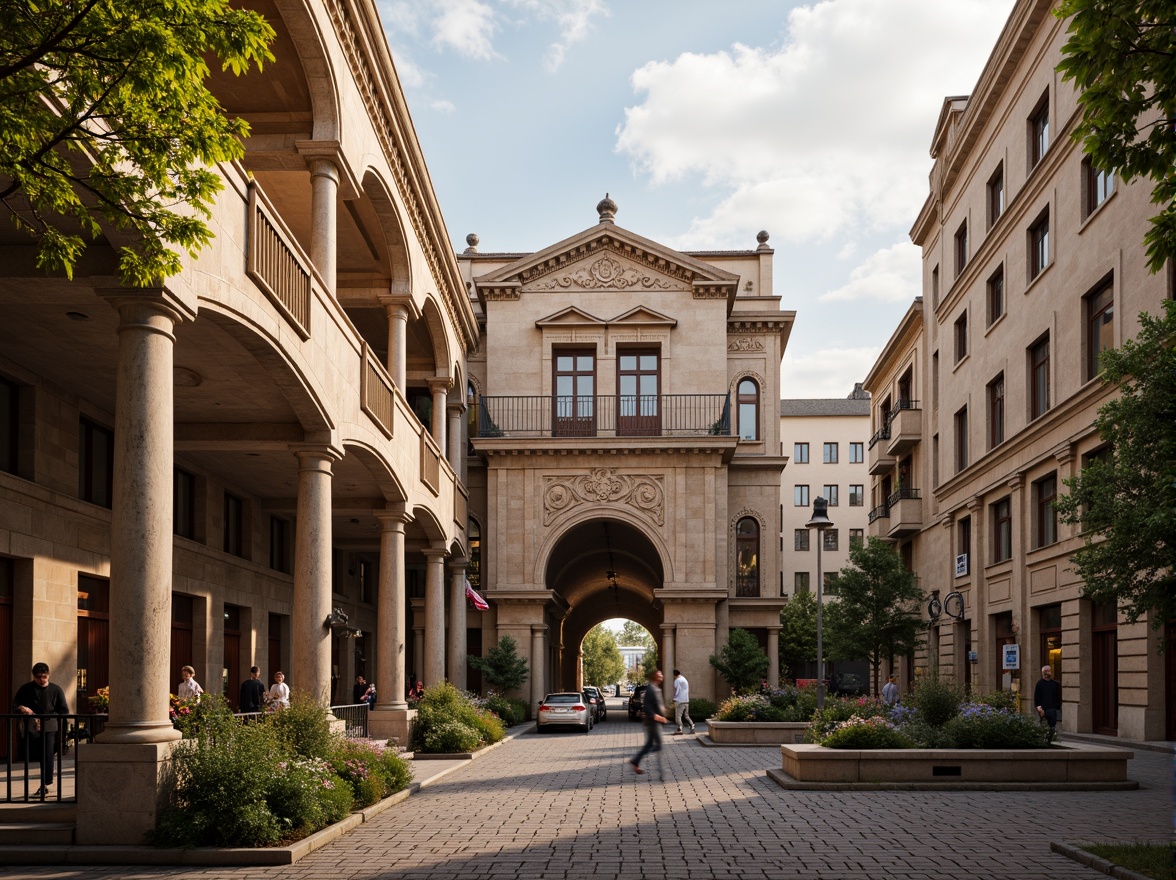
(849, 683)
(593, 704)
(601, 706)
(637, 702)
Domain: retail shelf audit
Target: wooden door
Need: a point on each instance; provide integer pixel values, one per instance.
(1170, 679)
(93, 638)
(638, 393)
(1104, 695)
(574, 398)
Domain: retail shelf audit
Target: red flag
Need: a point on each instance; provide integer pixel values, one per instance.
(471, 594)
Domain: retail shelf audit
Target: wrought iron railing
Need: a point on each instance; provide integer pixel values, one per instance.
(747, 586)
(31, 742)
(652, 415)
(899, 406)
(355, 717)
(902, 493)
(882, 433)
(882, 511)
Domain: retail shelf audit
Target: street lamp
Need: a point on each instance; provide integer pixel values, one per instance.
(820, 521)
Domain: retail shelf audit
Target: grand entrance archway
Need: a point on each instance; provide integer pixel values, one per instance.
(578, 573)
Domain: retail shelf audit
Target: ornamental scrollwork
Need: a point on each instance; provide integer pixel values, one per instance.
(745, 343)
(644, 494)
(607, 273)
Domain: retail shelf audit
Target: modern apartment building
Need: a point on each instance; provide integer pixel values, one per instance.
(984, 398)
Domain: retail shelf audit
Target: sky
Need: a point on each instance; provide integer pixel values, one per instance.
(706, 122)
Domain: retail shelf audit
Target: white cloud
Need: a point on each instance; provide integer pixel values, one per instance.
(443, 106)
(824, 135)
(573, 18)
(466, 26)
(825, 373)
(893, 274)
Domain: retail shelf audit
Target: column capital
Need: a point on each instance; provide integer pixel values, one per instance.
(391, 518)
(398, 304)
(331, 151)
(774, 629)
(456, 408)
(311, 454)
(538, 629)
(431, 553)
(457, 563)
(138, 304)
(440, 384)
(669, 628)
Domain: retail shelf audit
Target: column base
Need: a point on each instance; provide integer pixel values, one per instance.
(392, 724)
(138, 733)
(120, 791)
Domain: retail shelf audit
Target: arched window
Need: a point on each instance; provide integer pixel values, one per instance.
(747, 549)
(474, 566)
(748, 402)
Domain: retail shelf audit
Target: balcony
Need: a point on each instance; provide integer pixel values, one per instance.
(625, 416)
(880, 460)
(906, 512)
(905, 428)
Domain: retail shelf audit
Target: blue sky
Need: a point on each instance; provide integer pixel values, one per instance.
(706, 122)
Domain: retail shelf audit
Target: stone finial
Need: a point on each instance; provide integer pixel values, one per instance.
(472, 240)
(859, 393)
(762, 238)
(607, 209)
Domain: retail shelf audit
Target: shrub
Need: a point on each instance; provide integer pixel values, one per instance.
(511, 711)
(741, 708)
(840, 709)
(443, 704)
(937, 699)
(924, 735)
(701, 709)
(304, 728)
(980, 726)
(450, 736)
(998, 700)
(306, 795)
(874, 732)
(795, 703)
(396, 771)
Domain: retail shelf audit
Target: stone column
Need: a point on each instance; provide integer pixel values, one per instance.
(324, 192)
(456, 412)
(418, 649)
(434, 616)
(120, 784)
(457, 622)
(538, 666)
(667, 664)
(311, 654)
(774, 656)
(391, 681)
(439, 386)
(400, 309)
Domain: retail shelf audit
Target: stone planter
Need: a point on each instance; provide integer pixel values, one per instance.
(1073, 766)
(759, 733)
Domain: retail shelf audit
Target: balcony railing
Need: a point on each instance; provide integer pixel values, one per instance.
(747, 586)
(899, 406)
(882, 433)
(902, 493)
(882, 511)
(665, 415)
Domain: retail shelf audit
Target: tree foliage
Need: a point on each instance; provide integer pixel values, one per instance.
(633, 634)
(1121, 55)
(106, 123)
(649, 663)
(602, 660)
(742, 662)
(877, 611)
(502, 667)
(798, 637)
(1125, 499)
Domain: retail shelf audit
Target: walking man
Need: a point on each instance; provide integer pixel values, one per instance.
(654, 715)
(1047, 697)
(681, 702)
(252, 691)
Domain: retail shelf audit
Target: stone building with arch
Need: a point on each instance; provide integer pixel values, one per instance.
(626, 455)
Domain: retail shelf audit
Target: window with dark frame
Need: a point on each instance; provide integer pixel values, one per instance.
(964, 539)
(961, 439)
(184, 503)
(638, 392)
(994, 290)
(800, 453)
(857, 537)
(748, 410)
(1045, 528)
(829, 539)
(829, 453)
(961, 337)
(1039, 245)
(279, 544)
(1097, 187)
(857, 495)
(95, 464)
(800, 540)
(574, 397)
(747, 552)
(1039, 132)
(996, 195)
(800, 582)
(1039, 378)
(832, 585)
(800, 496)
(9, 426)
(1099, 307)
(830, 493)
(857, 453)
(961, 248)
(996, 411)
(234, 525)
(1002, 530)
(935, 287)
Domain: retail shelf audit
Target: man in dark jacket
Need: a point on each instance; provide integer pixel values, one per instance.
(41, 700)
(252, 691)
(1047, 697)
(654, 716)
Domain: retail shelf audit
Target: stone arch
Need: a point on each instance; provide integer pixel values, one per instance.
(427, 520)
(398, 257)
(383, 477)
(435, 322)
(732, 528)
(303, 28)
(591, 514)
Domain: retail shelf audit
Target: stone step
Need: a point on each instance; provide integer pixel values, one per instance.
(36, 833)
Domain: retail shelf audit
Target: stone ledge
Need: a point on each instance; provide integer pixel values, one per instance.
(1090, 860)
(763, 733)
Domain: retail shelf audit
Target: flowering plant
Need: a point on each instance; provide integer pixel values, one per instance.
(873, 732)
(100, 702)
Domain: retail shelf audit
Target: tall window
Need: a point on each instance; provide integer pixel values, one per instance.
(829, 453)
(1100, 325)
(857, 537)
(234, 525)
(574, 400)
(961, 337)
(961, 439)
(1045, 526)
(961, 248)
(994, 291)
(1039, 377)
(800, 582)
(829, 539)
(184, 504)
(748, 410)
(1039, 245)
(800, 496)
(857, 453)
(474, 566)
(857, 495)
(638, 400)
(95, 464)
(1002, 530)
(800, 453)
(747, 557)
(279, 544)
(935, 381)
(996, 195)
(935, 287)
(832, 587)
(9, 426)
(996, 412)
(830, 493)
(1097, 187)
(800, 539)
(1039, 132)
(963, 545)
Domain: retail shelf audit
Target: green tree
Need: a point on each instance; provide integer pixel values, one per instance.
(106, 123)
(741, 662)
(602, 660)
(649, 663)
(502, 667)
(1125, 499)
(798, 638)
(633, 634)
(877, 610)
(1121, 55)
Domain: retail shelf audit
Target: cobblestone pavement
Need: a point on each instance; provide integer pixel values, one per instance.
(564, 805)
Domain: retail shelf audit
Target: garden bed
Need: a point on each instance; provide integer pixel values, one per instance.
(758, 733)
(1071, 767)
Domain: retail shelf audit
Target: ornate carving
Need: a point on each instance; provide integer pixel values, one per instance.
(500, 293)
(645, 494)
(745, 343)
(607, 273)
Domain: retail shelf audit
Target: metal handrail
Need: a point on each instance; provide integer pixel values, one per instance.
(627, 415)
(899, 406)
(882, 511)
(29, 740)
(902, 493)
(882, 433)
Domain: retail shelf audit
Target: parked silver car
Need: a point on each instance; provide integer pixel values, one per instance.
(565, 709)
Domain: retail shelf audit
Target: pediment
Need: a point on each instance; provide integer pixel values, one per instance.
(607, 257)
(641, 316)
(570, 317)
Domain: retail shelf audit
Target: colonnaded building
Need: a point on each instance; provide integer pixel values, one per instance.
(984, 397)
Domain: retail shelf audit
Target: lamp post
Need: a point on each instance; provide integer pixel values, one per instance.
(820, 521)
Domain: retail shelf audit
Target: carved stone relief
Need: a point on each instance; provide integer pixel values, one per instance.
(608, 273)
(745, 343)
(645, 494)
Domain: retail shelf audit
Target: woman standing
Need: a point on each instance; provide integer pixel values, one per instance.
(279, 692)
(189, 688)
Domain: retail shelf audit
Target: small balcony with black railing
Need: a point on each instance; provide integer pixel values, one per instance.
(880, 459)
(905, 505)
(905, 427)
(604, 416)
